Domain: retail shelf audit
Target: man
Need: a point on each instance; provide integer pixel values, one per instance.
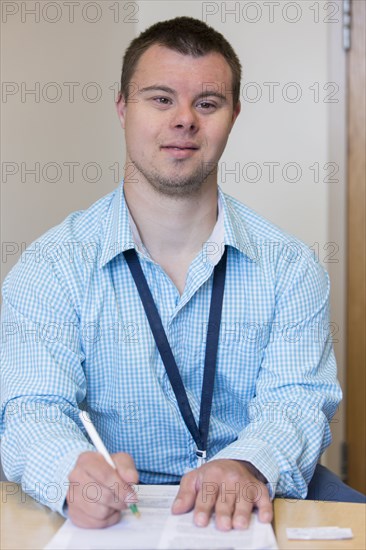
(81, 330)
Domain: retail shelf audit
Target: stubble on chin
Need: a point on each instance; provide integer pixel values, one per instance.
(176, 186)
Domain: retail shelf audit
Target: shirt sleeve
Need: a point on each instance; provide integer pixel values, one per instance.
(43, 381)
(297, 392)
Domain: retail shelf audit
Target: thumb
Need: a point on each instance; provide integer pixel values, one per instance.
(126, 467)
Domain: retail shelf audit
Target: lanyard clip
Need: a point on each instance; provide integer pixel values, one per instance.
(201, 457)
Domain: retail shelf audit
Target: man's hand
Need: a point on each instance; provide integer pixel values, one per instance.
(98, 493)
(226, 487)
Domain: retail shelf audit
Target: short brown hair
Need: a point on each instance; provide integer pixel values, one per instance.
(187, 36)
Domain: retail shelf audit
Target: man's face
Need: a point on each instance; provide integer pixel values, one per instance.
(177, 119)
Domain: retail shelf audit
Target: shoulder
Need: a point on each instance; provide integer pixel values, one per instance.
(81, 225)
(60, 257)
(258, 227)
(280, 256)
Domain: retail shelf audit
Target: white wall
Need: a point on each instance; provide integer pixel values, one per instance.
(309, 132)
(283, 61)
(278, 131)
(43, 56)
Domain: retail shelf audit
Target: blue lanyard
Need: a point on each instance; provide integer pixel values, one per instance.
(200, 433)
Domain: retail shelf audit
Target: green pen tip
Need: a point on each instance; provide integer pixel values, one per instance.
(135, 510)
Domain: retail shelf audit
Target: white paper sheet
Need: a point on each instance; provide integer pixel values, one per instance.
(158, 529)
(319, 533)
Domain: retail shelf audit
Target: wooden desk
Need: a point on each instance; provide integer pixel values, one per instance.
(312, 513)
(25, 524)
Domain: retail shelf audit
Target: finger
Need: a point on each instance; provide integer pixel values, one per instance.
(126, 467)
(242, 514)
(87, 494)
(225, 506)
(92, 512)
(115, 489)
(80, 519)
(96, 467)
(186, 495)
(127, 471)
(205, 502)
(265, 507)
(251, 494)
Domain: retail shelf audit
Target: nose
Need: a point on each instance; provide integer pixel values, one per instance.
(185, 117)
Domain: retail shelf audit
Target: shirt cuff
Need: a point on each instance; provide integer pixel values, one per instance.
(62, 473)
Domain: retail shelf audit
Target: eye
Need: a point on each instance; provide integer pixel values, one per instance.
(162, 100)
(207, 105)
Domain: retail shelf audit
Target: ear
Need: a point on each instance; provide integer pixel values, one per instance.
(121, 107)
(236, 112)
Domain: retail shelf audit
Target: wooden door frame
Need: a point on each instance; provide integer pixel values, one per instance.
(356, 273)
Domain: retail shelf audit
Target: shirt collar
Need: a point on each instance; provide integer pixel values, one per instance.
(117, 235)
(236, 230)
(121, 233)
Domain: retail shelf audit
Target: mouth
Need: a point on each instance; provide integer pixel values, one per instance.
(180, 147)
(180, 150)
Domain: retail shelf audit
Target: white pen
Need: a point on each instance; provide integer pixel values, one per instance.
(101, 448)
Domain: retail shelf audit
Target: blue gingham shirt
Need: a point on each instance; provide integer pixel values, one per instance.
(75, 335)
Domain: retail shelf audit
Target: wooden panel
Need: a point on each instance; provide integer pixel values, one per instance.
(356, 326)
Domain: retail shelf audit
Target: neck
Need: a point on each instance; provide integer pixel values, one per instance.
(172, 228)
